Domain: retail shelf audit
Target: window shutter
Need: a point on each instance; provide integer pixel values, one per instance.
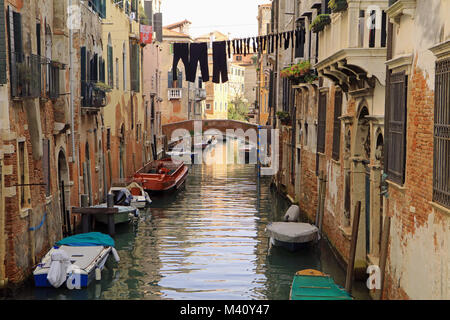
(2, 44)
(180, 79)
(18, 43)
(322, 123)
(170, 79)
(83, 72)
(397, 128)
(337, 125)
(110, 67)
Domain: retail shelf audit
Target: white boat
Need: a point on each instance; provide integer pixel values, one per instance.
(79, 261)
(291, 234)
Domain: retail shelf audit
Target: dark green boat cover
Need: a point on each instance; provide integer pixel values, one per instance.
(90, 239)
(305, 287)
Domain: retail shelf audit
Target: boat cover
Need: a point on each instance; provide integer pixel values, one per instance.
(306, 287)
(296, 232)
(87, 240)
(60, 262)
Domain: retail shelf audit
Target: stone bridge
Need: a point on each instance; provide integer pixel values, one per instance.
(204, 126)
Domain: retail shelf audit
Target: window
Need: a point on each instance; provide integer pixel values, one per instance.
(108, 139)
(135, 67)
(238, 58)
(337, 125)
(208, 106)
(396, 127)
(441, 166)
(110, 63)
(124, 63)
(322, 122)
(117, 73)
(24, 191)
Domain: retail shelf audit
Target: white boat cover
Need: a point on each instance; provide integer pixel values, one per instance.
(293, 214)
(60, 262)
(295, 232)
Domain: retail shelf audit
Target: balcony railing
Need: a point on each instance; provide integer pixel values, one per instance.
(200, 94)
(92, 96)
(175, 93)
(25, 75)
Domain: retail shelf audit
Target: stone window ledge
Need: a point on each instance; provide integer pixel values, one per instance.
(396, 185)
(402, 62)
(440, 208)
(401, 7)
(442, 50)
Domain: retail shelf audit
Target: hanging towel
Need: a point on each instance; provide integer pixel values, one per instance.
(59, 265)
(254, 45)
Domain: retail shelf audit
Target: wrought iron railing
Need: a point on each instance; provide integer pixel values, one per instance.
(92, 96)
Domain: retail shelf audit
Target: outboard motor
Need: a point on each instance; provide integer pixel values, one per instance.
(293, 214)
(123, 198)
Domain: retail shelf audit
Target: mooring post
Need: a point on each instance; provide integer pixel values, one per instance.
(383, 255)
(84, 217)
(351, 258)
(111, 222)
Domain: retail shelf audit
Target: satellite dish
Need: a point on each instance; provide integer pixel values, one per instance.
(133, 15)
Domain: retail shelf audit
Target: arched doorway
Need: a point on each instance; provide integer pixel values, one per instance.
(64, 192)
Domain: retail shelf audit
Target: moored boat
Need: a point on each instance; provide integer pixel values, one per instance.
(162, 175)
(314, 285)
(291, 234)
(131, 195)
(125, 214)
(75, 260)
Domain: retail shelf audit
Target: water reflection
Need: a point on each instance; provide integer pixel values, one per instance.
(206, 241)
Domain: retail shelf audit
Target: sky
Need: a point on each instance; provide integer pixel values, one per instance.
(237, 17)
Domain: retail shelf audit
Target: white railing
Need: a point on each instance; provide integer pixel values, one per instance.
(200, 94)
(175, 93)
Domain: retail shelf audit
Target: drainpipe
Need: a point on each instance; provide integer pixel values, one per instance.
(72, 113)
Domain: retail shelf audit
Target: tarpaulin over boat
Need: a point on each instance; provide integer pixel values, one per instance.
(292, 231)
(87, 240)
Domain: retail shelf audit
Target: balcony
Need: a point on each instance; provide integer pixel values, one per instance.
(25, 76)
(352, 48)
(200, 94)
(93, 96)
(175, 93)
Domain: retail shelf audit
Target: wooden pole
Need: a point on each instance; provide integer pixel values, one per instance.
(351, 258)
(110, 168)
(322, 201)
(319, 198)
(85, 218)
(383, 255)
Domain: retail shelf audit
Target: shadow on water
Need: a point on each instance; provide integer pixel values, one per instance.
(206, 241)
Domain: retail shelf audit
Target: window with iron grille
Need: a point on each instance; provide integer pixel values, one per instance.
(337, 125)
(441, 166)
(322, 122)
(396, 127)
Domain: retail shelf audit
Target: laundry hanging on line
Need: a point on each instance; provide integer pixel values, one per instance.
(193, 54)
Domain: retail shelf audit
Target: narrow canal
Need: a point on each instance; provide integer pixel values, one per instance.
(207, 241)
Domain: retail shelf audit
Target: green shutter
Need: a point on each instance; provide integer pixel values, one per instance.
(110, 67)
(2, 44)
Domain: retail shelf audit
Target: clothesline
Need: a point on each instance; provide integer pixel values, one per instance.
(194, 53)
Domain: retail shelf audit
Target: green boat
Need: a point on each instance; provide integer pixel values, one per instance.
(314, 285)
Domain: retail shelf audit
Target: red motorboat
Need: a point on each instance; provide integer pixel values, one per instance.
(162, 175)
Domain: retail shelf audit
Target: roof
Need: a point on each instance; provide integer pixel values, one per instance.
(177, 24)
(218, 36)
(174, 34)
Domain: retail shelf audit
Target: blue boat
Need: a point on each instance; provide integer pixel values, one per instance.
(75, 260)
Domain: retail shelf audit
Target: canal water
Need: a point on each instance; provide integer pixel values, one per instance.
(207, 241)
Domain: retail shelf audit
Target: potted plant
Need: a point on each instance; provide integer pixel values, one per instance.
(299, 73)
(103, 87)
(320, 22)
(338, 5)
(284, 117)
